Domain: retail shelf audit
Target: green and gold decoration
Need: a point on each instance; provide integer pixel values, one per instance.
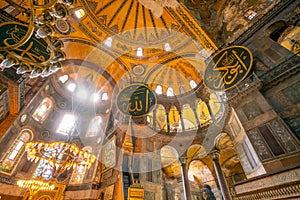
(31, 47)
(136, 100)
(228, 68)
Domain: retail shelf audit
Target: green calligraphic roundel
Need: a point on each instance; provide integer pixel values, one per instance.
(34, 50)
(228, 68)
(136, 100)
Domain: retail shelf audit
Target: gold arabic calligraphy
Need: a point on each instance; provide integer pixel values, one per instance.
(230, 68)
(30, 51)
(136, 101)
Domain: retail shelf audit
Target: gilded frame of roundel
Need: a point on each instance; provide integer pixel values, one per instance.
(121, 93)
(227, 68)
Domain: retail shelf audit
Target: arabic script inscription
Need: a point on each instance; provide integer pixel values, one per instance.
(33, 50)
(136, 100)
(228, 68)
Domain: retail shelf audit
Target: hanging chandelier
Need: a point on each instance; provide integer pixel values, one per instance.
(35, 186)
(31, 47)
(60, 156)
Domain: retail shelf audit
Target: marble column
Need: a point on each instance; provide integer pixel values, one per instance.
(185, 179)
(196, 117)
(168, 122)
(154, 119)
(182, 122)
(210, 111)
(215, 155)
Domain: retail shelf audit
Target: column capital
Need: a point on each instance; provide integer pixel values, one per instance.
(215, 154)
(183, 160)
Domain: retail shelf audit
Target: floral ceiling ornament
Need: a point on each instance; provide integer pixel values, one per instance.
(157, 6)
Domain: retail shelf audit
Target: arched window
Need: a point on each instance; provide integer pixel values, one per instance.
(170, 92)
(181, 89)
(67, 124)
(11, 158)
(104, 96)
(63, 78)
(193, 84)
(167, 47)
(43, 110)
(94, 127)
(44, 168)
(158, 89)
(79, 13)
(286, 35)
(71, 87)
(80, 171)
(148, 119)
(139, 51)
(108, 42)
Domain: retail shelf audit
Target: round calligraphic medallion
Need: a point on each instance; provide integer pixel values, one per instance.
(136, 100)
(228, 68)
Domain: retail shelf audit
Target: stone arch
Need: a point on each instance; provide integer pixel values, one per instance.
(219, 138)
(196, 151)
(200, 176)
(229, 158)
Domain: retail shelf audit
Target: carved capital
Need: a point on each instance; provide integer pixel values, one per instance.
(215, 155)
(183, 160)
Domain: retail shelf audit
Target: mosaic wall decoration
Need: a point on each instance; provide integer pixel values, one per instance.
(284, 136)
(294, 124)
(270, 139)
(273, 139)
(259, 144)
(252, 110)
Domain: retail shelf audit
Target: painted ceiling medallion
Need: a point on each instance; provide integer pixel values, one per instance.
(62, 26)
(138, 70)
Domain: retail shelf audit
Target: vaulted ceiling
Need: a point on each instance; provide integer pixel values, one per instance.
(112, 43)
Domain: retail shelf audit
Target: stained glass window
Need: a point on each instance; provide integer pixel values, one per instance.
(11, 158)
(80, 171)
(44, 168)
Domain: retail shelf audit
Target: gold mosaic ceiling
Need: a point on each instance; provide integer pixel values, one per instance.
(108, 34)
(111, 33)
(102, 45)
